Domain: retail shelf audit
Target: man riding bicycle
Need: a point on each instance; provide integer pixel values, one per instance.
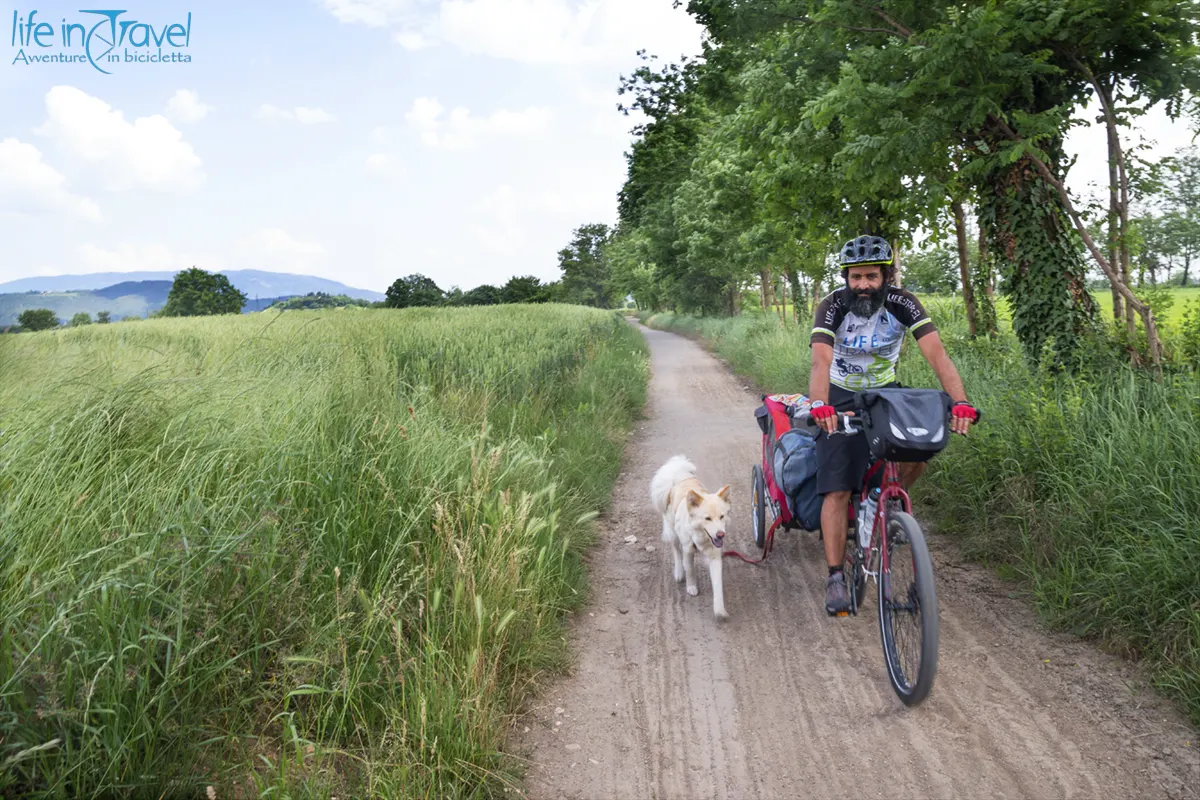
(855, 342)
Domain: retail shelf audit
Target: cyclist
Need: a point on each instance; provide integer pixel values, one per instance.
(855, 342)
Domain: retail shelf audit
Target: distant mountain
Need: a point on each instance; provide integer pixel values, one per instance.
(155, 292)
(252, 282)
(120, 300)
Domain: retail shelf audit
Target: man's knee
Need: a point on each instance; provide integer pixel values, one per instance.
(836, 498)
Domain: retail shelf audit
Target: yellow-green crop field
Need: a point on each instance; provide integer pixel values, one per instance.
(300, 554)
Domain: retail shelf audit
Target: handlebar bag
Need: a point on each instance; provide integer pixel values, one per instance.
(905, 424)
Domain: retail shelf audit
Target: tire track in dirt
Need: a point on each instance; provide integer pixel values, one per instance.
(783, 701)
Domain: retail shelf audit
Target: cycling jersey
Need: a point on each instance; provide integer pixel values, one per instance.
(865, 351)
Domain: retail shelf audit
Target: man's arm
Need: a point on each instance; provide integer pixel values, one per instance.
(818, 378)
(935, 353)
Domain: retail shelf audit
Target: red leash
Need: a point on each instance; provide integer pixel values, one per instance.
(766, 547)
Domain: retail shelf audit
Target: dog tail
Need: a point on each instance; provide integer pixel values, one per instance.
(676, 469)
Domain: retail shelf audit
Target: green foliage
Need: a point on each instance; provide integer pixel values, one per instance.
(934, 270)
(524, 289)
(103, 317)
(82, 318)
(587, 278)
(1039, 260)
(197, 293)
(37, 319)
(413, 290)
(314, 300)
(806, 124)
(315, 555)
(1086, 487)
(1188, 342)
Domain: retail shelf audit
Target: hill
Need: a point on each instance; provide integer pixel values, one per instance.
(252, 282)
(125, 299)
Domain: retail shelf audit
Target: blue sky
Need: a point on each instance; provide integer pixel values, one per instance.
(358, 140)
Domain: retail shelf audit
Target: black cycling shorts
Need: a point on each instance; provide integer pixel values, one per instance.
(842, 459)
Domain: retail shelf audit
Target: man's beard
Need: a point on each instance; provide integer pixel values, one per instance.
(867, 303)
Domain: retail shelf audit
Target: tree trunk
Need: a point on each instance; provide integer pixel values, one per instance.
(1113, 215)
(1187, 265)
(964, 266)
(767, 289)
(793, 277)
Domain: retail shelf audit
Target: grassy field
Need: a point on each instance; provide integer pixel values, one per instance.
(306, 554)
(1086, 489)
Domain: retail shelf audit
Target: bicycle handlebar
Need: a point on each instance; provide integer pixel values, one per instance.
(849, 424)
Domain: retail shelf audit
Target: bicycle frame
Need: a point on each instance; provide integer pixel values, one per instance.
(892, 487)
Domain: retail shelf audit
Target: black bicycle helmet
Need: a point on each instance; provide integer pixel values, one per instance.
(864, 251)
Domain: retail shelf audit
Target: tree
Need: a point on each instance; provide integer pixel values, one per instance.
(103, 317)
(523, 289)
(197, 293)
(82, 318)
(1183, 196)
(414, 290)
(935, 270)
(482, 295)
(37, 319)
(586, 277)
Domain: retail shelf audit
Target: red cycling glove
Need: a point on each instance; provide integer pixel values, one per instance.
(964, 409)
(823, 412)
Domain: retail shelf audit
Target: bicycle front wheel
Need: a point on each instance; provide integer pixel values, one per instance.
(908, 613)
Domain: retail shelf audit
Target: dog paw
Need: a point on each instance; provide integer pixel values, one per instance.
(693, 590)
(721, 614)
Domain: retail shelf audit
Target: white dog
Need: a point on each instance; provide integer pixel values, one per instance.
(693, 519)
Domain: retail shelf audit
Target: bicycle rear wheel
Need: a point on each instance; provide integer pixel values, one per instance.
(908, 612)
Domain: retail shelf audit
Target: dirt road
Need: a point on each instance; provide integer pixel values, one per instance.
(782, 701)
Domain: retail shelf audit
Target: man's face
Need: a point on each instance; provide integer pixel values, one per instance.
(866, 289)
(864, 280)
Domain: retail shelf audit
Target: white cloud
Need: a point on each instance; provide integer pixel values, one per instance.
(148, 152)
(380, 135)
(593, 32)
(386, 164)
(413, 40)
(373, 13)
(460, 131)
(29, 183)
(276, 241)
(301, 114)
(185, 106)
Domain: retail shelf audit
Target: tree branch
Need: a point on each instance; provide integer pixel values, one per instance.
(883, 15)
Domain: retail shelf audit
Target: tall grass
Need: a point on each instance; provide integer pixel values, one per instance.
(1087, 488)
(307, 554)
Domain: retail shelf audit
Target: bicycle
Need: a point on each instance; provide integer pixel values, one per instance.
(875, 551)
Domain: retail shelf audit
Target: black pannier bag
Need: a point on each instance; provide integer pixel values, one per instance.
(905, 424)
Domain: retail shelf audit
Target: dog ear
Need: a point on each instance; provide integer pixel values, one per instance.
(723, 493)
(694, 498)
